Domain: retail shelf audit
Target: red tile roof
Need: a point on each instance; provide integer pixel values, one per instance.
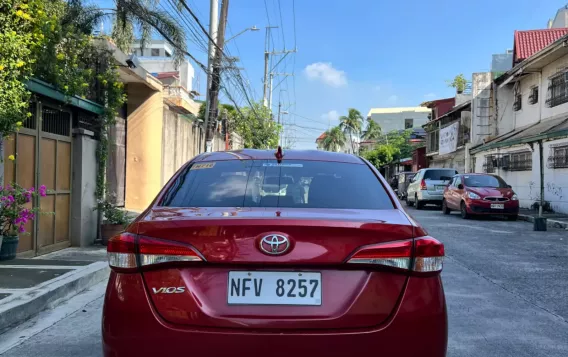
(321, 137)
(527, 43)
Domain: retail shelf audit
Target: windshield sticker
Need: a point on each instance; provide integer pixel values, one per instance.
(281, 165)
(208, 165)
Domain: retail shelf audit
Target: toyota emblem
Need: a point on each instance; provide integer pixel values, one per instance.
(274, 244)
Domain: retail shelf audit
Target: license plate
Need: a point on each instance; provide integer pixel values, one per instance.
(274, 288)
(440, 188)
(497, 206)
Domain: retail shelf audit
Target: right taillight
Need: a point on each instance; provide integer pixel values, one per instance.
(421, 255)
(127, 252)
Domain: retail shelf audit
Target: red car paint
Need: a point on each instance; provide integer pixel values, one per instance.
(365, 306)
(455, 196)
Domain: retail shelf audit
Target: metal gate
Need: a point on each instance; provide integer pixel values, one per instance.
(43, 157)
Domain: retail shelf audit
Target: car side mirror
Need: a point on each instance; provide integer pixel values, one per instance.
(460, 186)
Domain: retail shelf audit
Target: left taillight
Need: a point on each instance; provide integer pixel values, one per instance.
(127, 252)
(421, 255)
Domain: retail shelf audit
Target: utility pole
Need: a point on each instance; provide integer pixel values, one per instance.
(216, 75)
(268, 75)
(270, 86)
(213, 24)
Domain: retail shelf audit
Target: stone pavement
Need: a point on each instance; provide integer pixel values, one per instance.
(554, 220)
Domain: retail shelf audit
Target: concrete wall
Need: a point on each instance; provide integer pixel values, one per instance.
(455, 160)
(144, 146)
(480, 107)
(526, 184)
(504, 115)
(395, 121)
(179, 144)
(83, 217)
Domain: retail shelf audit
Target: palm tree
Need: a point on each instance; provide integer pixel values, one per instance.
(373, 131)
(334, 139)
(350, 123)
(145, 17)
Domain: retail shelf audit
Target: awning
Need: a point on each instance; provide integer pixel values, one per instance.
(544, 130)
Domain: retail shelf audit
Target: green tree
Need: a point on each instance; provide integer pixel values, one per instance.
(334, 139)
(351, 123)
(459, 83)
(256, 128)
(373, 131)
(145, 17)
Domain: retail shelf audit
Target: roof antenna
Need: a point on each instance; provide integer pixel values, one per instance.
(278, 154)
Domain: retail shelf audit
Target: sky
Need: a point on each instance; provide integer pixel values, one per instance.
(365, 53)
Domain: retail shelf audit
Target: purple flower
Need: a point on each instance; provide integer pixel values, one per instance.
(21, 229)
(42, 191)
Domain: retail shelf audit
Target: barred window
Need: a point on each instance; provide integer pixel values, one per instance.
(557, 93)
(558, 157)
(518, 103)
(433, 141)
(520, 161)
(533, 97)
(490, 164)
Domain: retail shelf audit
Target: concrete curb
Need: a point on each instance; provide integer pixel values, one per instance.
(551, 223)
(23, 305)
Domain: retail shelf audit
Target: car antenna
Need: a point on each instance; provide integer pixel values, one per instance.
(278, 154)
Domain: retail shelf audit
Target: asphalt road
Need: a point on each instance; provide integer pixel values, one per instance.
(506, 287)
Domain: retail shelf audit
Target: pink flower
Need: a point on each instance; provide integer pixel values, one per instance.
(21, 229)
(42, 191)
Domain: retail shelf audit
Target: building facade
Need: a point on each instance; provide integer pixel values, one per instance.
(399, 118)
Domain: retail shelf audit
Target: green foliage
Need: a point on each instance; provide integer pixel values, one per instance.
(255, 127)
(113, 214)
(373, 131)
(22, 27)
(391, 147)
(334, 139)
(459, 83)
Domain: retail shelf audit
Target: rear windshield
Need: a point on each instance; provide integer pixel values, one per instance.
(443, 175)
(484, 181)
(260, 183)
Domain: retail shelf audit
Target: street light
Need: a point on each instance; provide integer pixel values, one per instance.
(254, 28)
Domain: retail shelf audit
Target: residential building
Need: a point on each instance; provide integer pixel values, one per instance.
(528, 123)
(156, 58)
(560, 20)
(399, 118)
(526, 43)
(447, 136)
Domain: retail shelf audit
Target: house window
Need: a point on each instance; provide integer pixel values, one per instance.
(433, 141)
(490, 163)
(557, 93)
(155, 52)
(518, 103)
(408, 123)
(533, 97)
(520, 161)
(558, 157)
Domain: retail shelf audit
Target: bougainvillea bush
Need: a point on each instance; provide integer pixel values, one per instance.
(13, 211)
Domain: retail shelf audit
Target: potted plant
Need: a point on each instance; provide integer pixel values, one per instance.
(115, 220)
(14, 215)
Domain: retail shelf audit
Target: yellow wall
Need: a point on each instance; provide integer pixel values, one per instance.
(144, 146)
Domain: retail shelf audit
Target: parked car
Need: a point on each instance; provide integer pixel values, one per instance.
(214, 268)
(480, 194)
(427, 186)
(403, 182)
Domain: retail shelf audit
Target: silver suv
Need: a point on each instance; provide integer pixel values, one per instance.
(427, 186)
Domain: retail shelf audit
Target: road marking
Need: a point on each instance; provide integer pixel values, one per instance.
(477, 228)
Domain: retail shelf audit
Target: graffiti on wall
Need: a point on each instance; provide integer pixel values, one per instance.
(554, 190)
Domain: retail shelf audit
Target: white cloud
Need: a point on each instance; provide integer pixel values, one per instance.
(430, 95)
(392, 99)
(332, 115)
(324, 72)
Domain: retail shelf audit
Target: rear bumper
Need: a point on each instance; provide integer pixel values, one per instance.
(430, 196)
(131, 327)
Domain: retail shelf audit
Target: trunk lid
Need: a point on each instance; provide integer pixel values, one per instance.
(321, 241)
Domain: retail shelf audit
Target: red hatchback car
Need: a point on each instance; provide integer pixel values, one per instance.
(329, 264)
(480, 194)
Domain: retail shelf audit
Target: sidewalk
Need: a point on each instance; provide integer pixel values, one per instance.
(28, 286)
(553, 220)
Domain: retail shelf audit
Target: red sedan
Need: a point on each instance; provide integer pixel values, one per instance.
(480, 194)
(331, 266)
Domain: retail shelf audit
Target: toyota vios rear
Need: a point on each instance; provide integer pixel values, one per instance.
(332, 267)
